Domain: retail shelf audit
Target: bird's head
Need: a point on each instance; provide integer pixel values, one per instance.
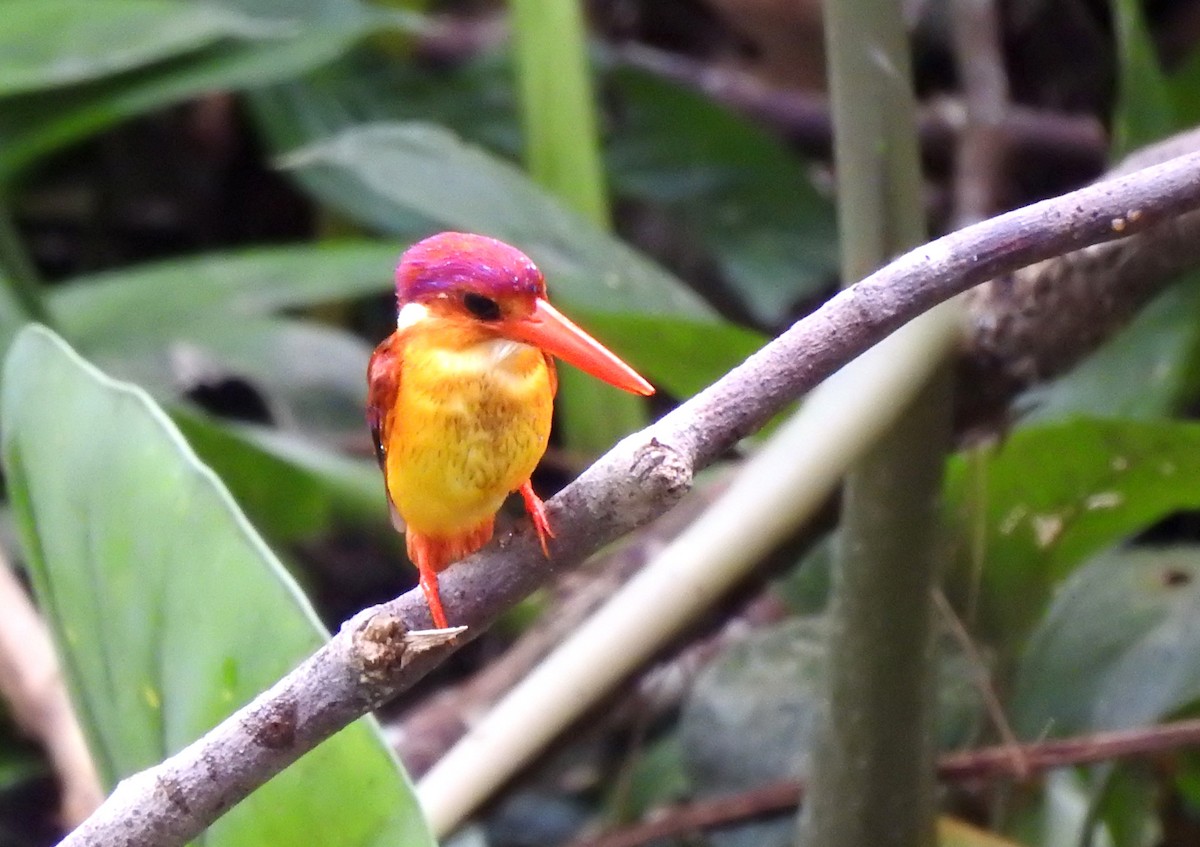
(493, 289)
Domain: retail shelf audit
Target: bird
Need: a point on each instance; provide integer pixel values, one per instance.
(460, 396)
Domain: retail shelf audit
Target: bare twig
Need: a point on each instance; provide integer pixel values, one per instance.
(981, 161)
(376, 654)
(31, 682)
(981, 166)
(983, 682)
(1077, 141)
(1035, 323)
(987, 763)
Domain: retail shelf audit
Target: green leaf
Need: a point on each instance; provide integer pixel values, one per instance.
(168, 609)
(51, 45)
(1050, 496)
(681, 355)
(1150, 369)
(1182, 86)
(743, 196)
(290, 488)
(562, 154)
(12, 312)
(32, 125)
(383, 174)
(168, 296)
(752, 715)
(312, 377)
(558, 108)
(1144, 111)
(592, 416)
(1119, 646)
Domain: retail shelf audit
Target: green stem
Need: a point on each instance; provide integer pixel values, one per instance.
(872, 775)
(563, 155)
(17, 271)
(561, 141)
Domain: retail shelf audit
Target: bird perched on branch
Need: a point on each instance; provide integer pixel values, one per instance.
(460, 396)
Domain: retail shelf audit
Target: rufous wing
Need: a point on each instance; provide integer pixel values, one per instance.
(383, 381)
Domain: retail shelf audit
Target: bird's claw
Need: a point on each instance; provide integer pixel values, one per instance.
(537, 513)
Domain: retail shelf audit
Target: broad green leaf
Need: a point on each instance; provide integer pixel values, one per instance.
(558, 104)
(168, 610)
(383, 174)
(32, 125)
(1037, 505)
(1119, 646)
(591, 416)
(744, 198)
(168, 296)
(562, 154)
(51, 45)
(1182, 86)
(313, 377)
(1144, 110)
(291, 488)
(1128, 803)
(681, 355)
(12, 313)
(475, 99)
(1150, 369)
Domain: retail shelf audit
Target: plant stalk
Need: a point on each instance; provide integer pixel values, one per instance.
(562, 152)
(872, 770)
(17, 271)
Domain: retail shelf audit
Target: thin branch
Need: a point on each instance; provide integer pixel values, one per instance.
(983, 681)
(982, 159)
(987, 763)
(377, 654)
(1035, 323)
(1077, 141)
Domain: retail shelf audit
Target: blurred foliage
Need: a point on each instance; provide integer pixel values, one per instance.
(164, 597)
(1084, 623)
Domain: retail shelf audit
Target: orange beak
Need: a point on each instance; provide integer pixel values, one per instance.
(548, 329)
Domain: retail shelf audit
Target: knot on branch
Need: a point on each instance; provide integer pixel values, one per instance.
(273, 724)
(383, 644)
(662, 470)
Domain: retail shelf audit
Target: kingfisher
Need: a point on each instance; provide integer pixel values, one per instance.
(461, 395)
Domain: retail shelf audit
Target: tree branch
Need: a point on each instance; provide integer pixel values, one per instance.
(985, 763)
(1035, 323)
(378, 654)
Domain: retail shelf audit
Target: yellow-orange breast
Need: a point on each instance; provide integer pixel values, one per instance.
(469, 425)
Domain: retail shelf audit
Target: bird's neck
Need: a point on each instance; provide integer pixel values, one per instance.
(460, 346)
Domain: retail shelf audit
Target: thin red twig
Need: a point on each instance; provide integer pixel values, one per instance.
(986, 763)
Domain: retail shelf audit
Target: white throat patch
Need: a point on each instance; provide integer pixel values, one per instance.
(410, 315)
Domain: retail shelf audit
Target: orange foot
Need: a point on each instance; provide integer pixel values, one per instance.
(537, 513)
(433, 554)
(429, 585)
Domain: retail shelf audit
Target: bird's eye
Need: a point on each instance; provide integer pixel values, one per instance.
(484, 308)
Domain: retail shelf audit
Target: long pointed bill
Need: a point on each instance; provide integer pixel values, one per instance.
(550, 330)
